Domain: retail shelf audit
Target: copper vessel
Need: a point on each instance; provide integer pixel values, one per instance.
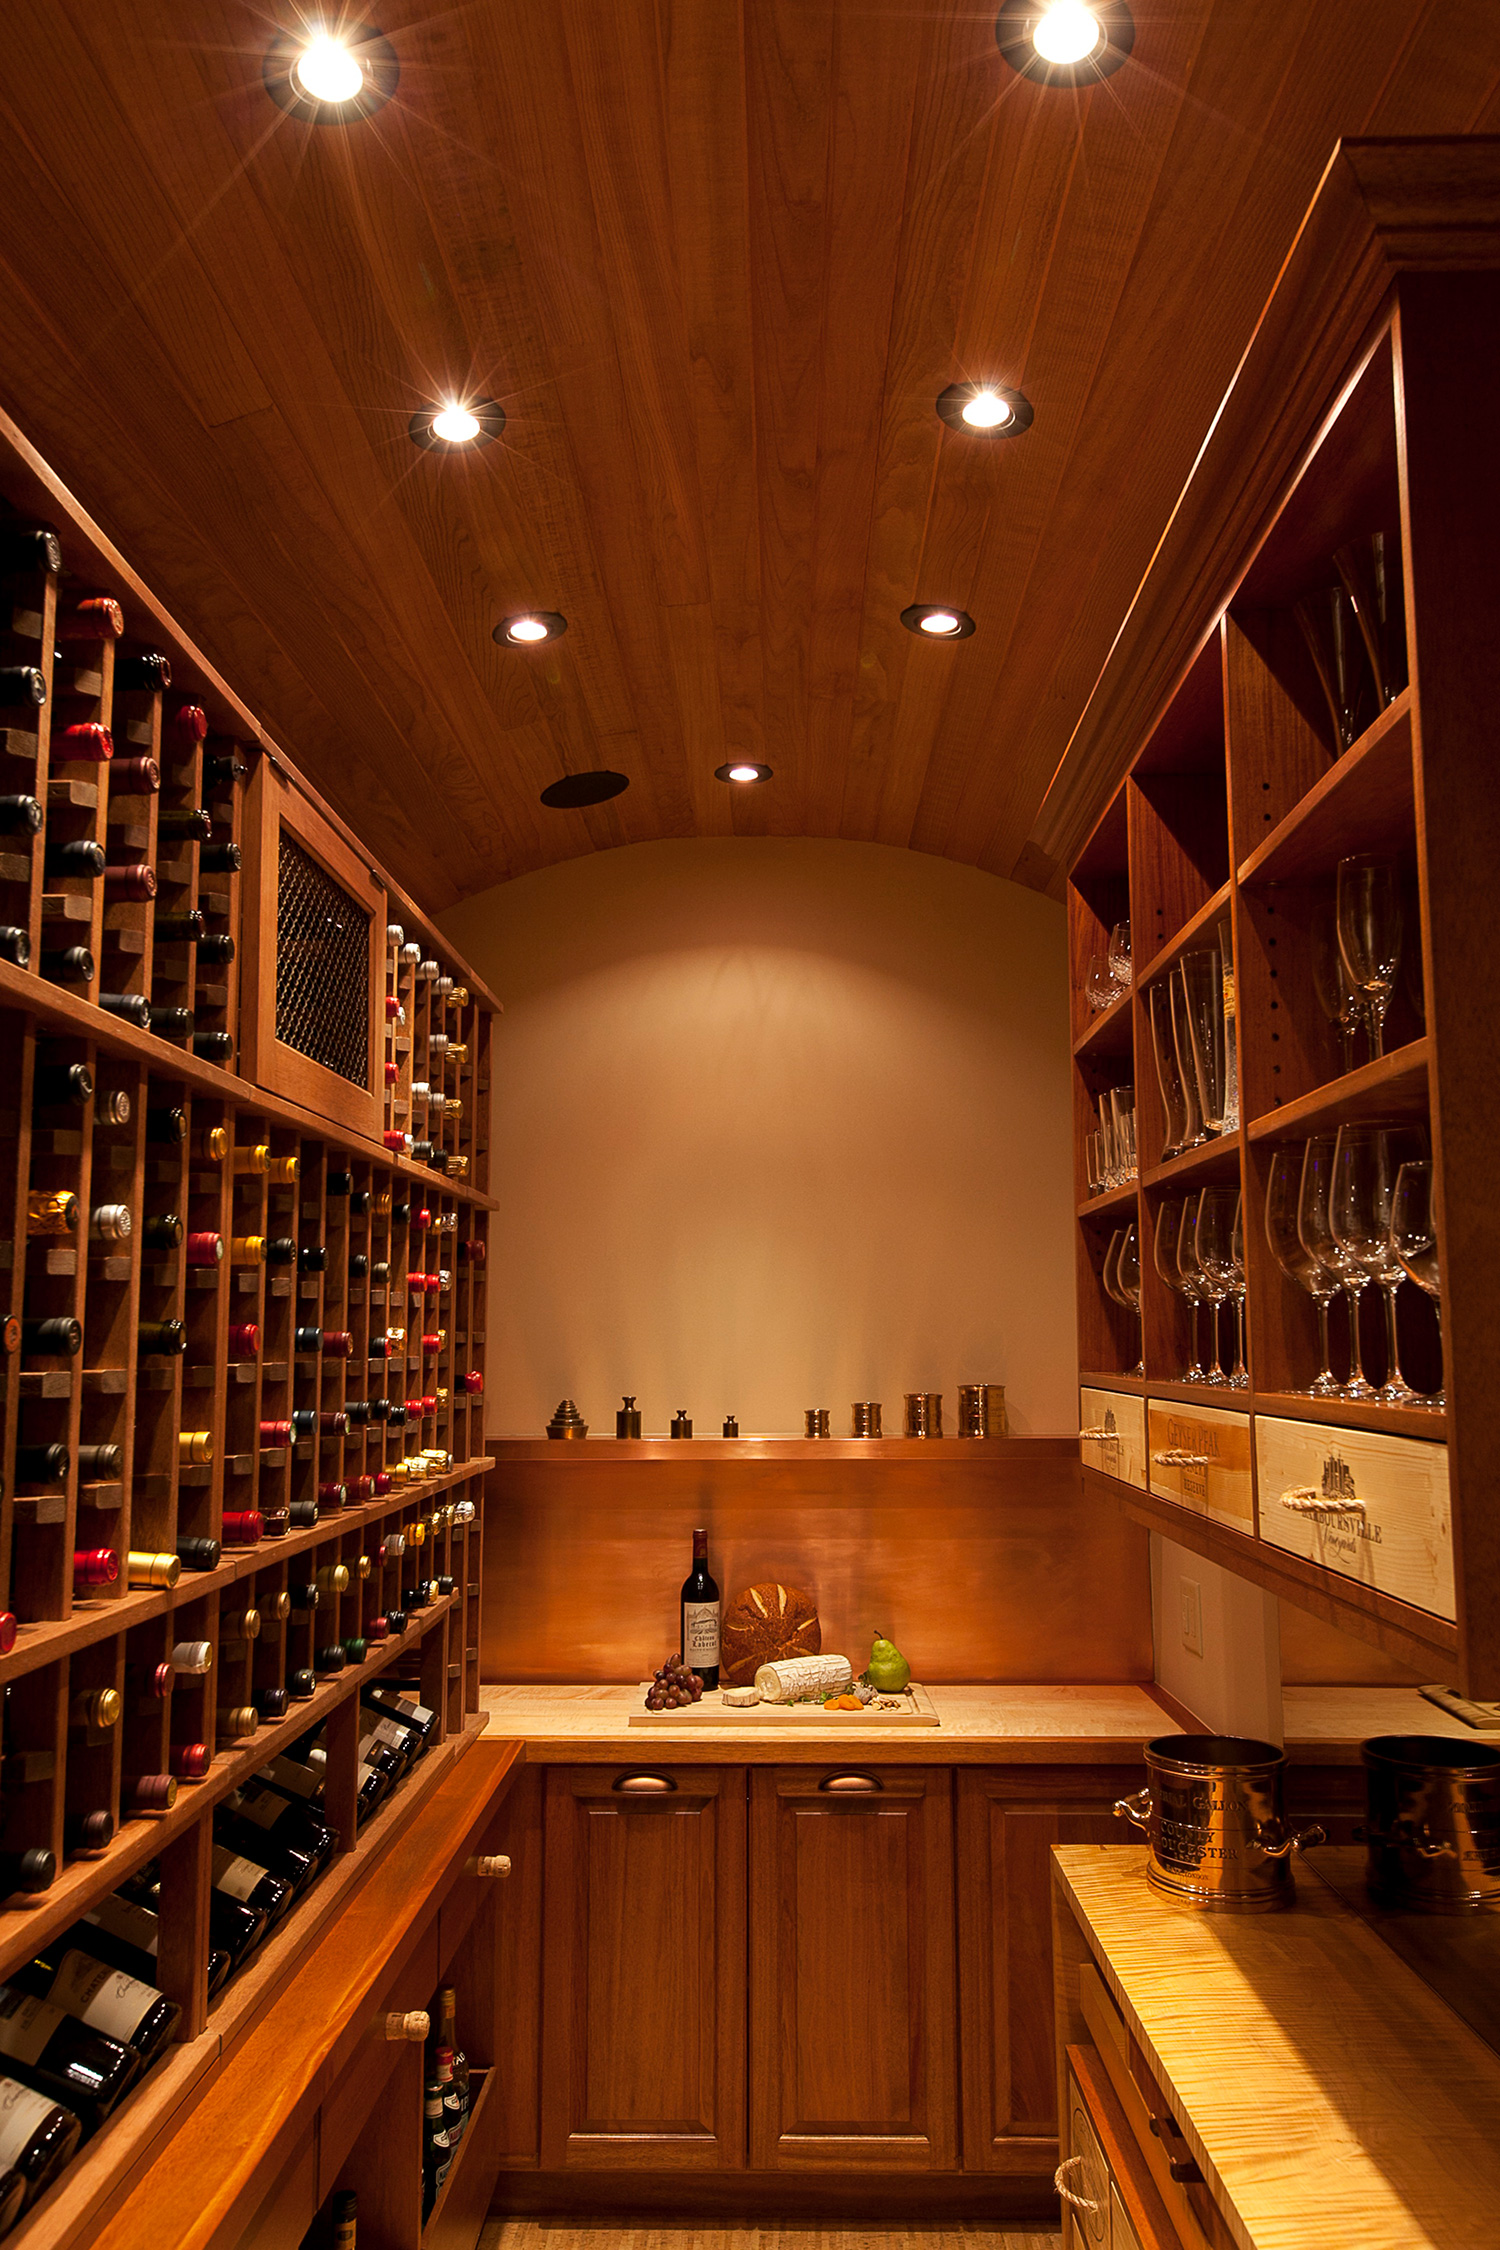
(815, 1422)
(924, 1413)
(1211, 1812)
(1432, 1829)
(864, 1418)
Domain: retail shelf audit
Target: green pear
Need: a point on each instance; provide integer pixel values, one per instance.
(889, 1670)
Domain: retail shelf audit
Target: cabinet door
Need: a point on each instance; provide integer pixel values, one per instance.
(1008, 1820)
(643, 2019)
(853, 2055)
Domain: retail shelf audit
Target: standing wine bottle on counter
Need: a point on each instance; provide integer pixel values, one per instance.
(700, 1616)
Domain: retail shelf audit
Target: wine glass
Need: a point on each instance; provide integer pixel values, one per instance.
(1202, 980)
(1415, 1242)
(1213, 1245)
(1128, 1283)
(1231, 1043)
(1331, 631)
(1369, 924)
(1336, 995)
(1100, 985)
(1109, 1272)
(1315, 1230)
(1094, 1155)
(1122, 1125)
(1194, 1131)
(1164, 1254)
(1366, 1160)
(1119, 955)
(1371, 571)
(1240, 1379)
(1169, 1076)
(1283, 1193)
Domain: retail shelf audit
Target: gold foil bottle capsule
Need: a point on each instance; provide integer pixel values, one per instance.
(283, 1171)
(247, 1250)
(51, 1212)
(143, 1569)
(195, 1447)
(96, 1709)
(253, 1160)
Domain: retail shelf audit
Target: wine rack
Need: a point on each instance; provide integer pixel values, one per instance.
(242, 1275)
(1242, 796)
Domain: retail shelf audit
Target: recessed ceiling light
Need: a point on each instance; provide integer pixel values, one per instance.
(1065, 42)
(742, 771)
(330, 76)
(938, 620)
(529, 626)
(453, 424)
(987, 410)
(578, 789)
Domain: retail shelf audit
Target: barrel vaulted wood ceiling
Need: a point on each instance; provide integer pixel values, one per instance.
(716, 258)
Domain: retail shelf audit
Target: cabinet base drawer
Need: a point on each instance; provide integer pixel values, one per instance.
(1369, 1506)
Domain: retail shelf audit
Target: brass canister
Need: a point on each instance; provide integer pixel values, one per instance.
(864, 1418)
(1211, 1812)
(628, 1419)
(815, 1422)
(1432, 1828)
(924, 1413)
(567, 1422)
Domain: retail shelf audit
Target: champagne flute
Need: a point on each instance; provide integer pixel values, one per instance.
(1109, 1272)
(1336, 995)
(1240, 1379)
(1331, 631)
(1369, 924)
(1202, 980)
(1415, 1242)
(1366, 1160)
(1128, 1282)
(1194, 1132)
(1371, 571)
(1164, 1253)
(1283, 1193)
(1119, 955)
(1213, 1245)
(1315, 1229)
(1174, 1097)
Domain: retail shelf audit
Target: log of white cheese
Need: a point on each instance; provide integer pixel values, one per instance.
(791, 1676)
(741, 1698)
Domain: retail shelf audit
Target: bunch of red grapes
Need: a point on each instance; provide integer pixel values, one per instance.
(674, 1687)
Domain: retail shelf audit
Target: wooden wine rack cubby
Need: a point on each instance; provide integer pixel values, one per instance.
(1360, 408)
(388, 1257)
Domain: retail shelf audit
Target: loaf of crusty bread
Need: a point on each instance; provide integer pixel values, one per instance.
(761, 1624)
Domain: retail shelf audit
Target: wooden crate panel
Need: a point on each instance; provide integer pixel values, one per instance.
(1121, 1451)
(1200, 1457)
(1389, 1527)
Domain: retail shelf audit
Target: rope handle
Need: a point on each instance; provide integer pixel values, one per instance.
(1307, 1500)
(1060, 2182)
(1175, 1458)
(1097, 1436)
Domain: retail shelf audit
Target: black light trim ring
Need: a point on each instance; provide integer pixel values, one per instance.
(1018, 19)
(956, 397)
(373, 51)
(912, 619)
(736, 775)
(554, 621)
(487, 412)
(576, 790)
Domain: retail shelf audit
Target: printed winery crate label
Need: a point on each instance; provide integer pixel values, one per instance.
(1200, 1457)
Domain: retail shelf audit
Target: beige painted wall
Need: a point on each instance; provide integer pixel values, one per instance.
(777, 1124)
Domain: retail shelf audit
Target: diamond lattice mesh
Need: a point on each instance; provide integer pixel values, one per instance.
(322, 967)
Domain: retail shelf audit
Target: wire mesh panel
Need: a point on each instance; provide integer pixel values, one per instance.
(322, 967)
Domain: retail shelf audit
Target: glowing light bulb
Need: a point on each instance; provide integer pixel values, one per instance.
(744, 773)
(1066, 32)
(526, 629)
(984, 411)
(940, 621)
(456, 424)
(325, 71)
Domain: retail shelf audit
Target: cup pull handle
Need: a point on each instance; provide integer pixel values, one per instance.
(1175, 1458)
(1306, 1500)
(1136, 1808)
(1069, 2165)
(644, 1784)
(850, 1784)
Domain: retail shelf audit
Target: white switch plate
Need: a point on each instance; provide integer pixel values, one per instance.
(1190, 1596)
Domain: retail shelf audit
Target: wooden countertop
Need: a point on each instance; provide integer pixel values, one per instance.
(980, 1726)
(1332, 2100)
(1338, 1719)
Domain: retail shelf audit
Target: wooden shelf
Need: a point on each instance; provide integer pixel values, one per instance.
(1108, 1031)
(1211, 1160)
(1366, 802)
(563, 1453)
(1200, 928)
(1393, 1085)
(1115, 1202)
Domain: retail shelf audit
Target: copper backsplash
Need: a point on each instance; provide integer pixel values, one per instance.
(990, 1568)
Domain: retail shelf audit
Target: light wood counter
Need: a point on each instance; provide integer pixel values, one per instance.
(980, 1726)
(1328, 1720)
(1331, 2099)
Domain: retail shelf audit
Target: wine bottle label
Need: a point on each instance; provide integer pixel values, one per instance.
(388, 1733)
(133, 1925)
(106, 1998)
(22, 2115)
(298, 1780)
(700, 1635)
(26, 2024)
(239, 1877)
(368, 1773)
(264, 1811)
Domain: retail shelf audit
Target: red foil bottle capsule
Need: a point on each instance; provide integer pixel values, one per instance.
(432, 1344)
(381, 1481)
(397, 1143)
(95, 1566)
(244, 1338)
(414, 1409)
(337, 1343)
(98, 617)
(134, 777)
(243, 1527)
(421, 1219)
(429, 1404)
(362, 1488)
(163, 1680)
(473, 1380)
(276, 1433)
(205, 1249)
(332, 1495)
(189, 1760)
(377, 1629)
(393, 1074)
(191, 722)
(150, 1793)
(85, 741)
(392, 1008)
(7, 1632)
(135, 881)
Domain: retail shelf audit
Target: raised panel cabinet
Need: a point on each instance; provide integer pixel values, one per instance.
(643, 2017)
(1008, 1819)
(853, 2040)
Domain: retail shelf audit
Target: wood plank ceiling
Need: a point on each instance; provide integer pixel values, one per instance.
(716, 258)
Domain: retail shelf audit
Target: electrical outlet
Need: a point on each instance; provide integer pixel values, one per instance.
(1190, 1597)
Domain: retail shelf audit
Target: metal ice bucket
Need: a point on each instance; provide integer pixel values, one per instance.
(1211, 1811)
(1432, 1829)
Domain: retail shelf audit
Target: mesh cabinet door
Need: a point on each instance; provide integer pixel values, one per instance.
(314, 923)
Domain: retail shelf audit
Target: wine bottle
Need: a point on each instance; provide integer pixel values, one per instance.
(95, 1710)
(67, 964)
(244, 1339)
(51, 1211)
(110, 1222)
(308, 1340)
(195, 1448)
(247, 1250)
(144, 674)
(81, 857)
(124, 1934)
(162, 1231)
(15, 946)
(182, 928)
(213, 1046)
(205, 1249)
(233, 1924)
(345, 2217)
(336, 1343)
(340, 1183)
(189, 1761)
(167, 1124)
(143, 1568)
(20, 684)
(28, 548)
(211, 1144)
(242, 1527)
(61, 2056)
(215, 951)
(281, 1250)
(333, 1421)
(121, 2006)
(85, 742)
(189, 723)
(29, 1871)
(132, 1008)
(303, 1594)
(304, 1421)
(270, 1702)
(62, 1085)
(38, 2139)
(198, 1554)
(194, 823)
(283, 1171)
(329, 1658)
(301, 1683)
(405, 1710)
(133, 880)
(98, 1463)
(147, 1794)
(86, 1835)
(134, 777)
(276, 1433)
(20, 816)
(264, 1831)
(98, 617)
(437, 2152)
(222, 858)
(238, 1720)
(222, 771)
(700, 1616)
(56, 1338)
(41, 1464)
(161, 1339)
(312, 1258)
(172, 1023)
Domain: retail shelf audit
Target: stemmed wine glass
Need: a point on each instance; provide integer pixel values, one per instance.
(1100, 984)
(1369, 925)
(1119, 955)
(1128, 1285)
(1240, 1379)
(1164, 1253)
(1283, 1193)
(1213, 1245)
(1415, 1242)
(1366, 1160)
(1195, 1132)
(1174, 1096)
(1316, 1230)
(1337, 997)
(1202, 980)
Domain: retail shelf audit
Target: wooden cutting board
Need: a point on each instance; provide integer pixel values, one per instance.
(712, 1711)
